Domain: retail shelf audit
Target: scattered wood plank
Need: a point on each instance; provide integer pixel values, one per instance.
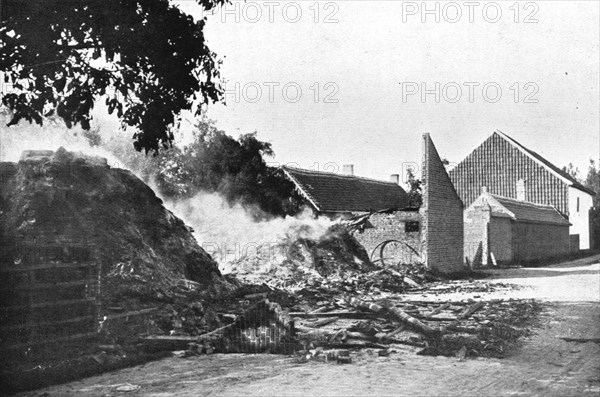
(390, 335)
(465, 329)
(167, 343)
(319, 310)
(411, 282)
(308, 331)
(258, 295)
(324, 321)
(141, 312)
(359, 335)
(214, 332)
(439, 309)
(353, 343)
(436, 318)
(470, 310)
(410, 342)
(396, 313)
(340, 314)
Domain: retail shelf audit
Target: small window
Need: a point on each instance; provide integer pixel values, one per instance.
(411, 227)
(577, 204)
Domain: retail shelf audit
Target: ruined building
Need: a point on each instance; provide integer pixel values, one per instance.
(432, 234)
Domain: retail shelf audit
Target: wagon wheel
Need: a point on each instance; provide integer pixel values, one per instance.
(382, 246)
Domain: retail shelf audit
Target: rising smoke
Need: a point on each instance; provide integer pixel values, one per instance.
(229, 233)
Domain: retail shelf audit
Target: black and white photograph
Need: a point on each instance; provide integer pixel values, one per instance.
(299, 198)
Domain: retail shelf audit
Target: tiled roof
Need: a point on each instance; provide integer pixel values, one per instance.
(523, 211)
(575, 183)
(329, 192)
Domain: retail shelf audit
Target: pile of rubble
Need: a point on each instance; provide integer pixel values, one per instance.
(334, 299)
(334, 260)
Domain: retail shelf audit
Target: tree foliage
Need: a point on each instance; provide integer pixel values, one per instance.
(572, 171)
(415, 196)
(147, 58)
(235, 168)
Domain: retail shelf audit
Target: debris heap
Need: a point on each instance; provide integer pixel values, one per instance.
(334, 260)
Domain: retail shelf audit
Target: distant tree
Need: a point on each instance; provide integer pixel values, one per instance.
(572, 171)
(592, 180)
(146, 58)
(235, 168)
(415, 196)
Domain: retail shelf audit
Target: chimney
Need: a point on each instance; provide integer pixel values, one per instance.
(395, 178)
(484, 189)
(521, 189)
(348, 169)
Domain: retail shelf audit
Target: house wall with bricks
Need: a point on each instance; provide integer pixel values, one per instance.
(476, 231)
(539, 241)
(491, 232)
(442, 215)
(501, 239)
(393, 226)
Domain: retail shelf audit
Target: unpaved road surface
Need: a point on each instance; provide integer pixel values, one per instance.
(545, 364)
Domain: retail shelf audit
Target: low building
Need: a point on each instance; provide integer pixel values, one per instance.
(504, 230)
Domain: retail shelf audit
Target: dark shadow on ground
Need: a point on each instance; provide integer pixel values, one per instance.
(538, 272)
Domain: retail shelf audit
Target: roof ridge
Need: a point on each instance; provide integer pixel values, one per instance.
(521, 201)
(333, 174)
(544, 161)
(523, 205)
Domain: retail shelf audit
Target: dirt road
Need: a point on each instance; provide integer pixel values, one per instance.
(545, 365)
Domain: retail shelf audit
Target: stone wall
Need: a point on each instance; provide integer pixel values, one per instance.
(393, 226)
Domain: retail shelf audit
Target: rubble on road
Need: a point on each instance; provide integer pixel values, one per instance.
(319, 322)
(323, 294)
(486, 329)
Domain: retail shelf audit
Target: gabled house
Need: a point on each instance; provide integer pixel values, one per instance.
(511, 170)
(504, 230)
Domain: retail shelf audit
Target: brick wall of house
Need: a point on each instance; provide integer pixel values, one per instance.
(538, 241)
(392, 227)
(498, 165)
(487, 235)
(500, 242)
(442, 214)
(476, 221)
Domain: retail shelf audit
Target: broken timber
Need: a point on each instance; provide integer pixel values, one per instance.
(398, 314)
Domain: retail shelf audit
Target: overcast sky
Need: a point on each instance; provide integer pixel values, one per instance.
(362, 67)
